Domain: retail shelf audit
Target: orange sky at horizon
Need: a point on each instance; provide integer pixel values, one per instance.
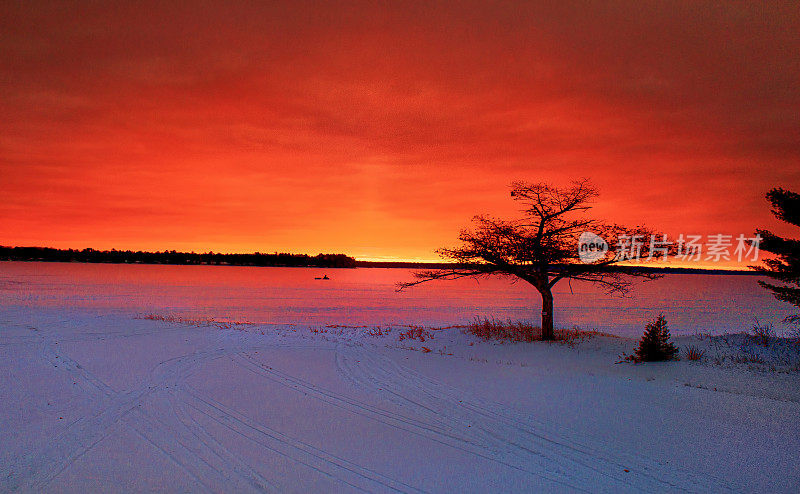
(379, 131)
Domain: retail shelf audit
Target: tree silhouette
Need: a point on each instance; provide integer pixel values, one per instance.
(174, 257)
(655, 344)
(785, 267)
(542, 248)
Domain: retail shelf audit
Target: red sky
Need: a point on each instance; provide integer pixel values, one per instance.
(379, 131)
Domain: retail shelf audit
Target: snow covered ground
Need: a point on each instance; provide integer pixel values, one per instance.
(97, 401)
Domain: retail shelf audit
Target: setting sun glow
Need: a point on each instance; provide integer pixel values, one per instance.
(379, 133)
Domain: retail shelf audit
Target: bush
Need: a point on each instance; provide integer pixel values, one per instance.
(655, 344)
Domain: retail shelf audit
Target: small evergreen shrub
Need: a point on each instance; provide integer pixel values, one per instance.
(655, 344)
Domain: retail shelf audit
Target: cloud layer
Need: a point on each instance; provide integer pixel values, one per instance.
(380, 131)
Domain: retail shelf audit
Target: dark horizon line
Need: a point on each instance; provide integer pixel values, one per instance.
(259, 259)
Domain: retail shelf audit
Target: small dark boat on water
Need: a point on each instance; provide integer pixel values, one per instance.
(324, 277)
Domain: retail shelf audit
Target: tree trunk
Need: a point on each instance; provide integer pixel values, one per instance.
(547, 315)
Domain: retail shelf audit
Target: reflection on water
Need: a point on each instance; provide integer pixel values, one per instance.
(692, 303)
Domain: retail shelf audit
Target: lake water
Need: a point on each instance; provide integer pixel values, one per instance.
(367, 296)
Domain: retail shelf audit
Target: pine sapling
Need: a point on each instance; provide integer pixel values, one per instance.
(655, 344)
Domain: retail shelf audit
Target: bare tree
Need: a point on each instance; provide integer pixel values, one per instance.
(542, 248)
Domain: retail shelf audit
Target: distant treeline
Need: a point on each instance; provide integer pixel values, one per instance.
(174, 257)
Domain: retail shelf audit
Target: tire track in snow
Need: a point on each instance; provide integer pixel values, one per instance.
(170, 427)
(330, 465)
(514, 438)
(207, 461)
(444, 432)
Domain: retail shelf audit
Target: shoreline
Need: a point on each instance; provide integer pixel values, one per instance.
(393, 265)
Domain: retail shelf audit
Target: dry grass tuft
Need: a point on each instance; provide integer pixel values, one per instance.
(208, 321)
(695, 353)
(495, 329)
(762, 333)
(416, 333)
(520, 331)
